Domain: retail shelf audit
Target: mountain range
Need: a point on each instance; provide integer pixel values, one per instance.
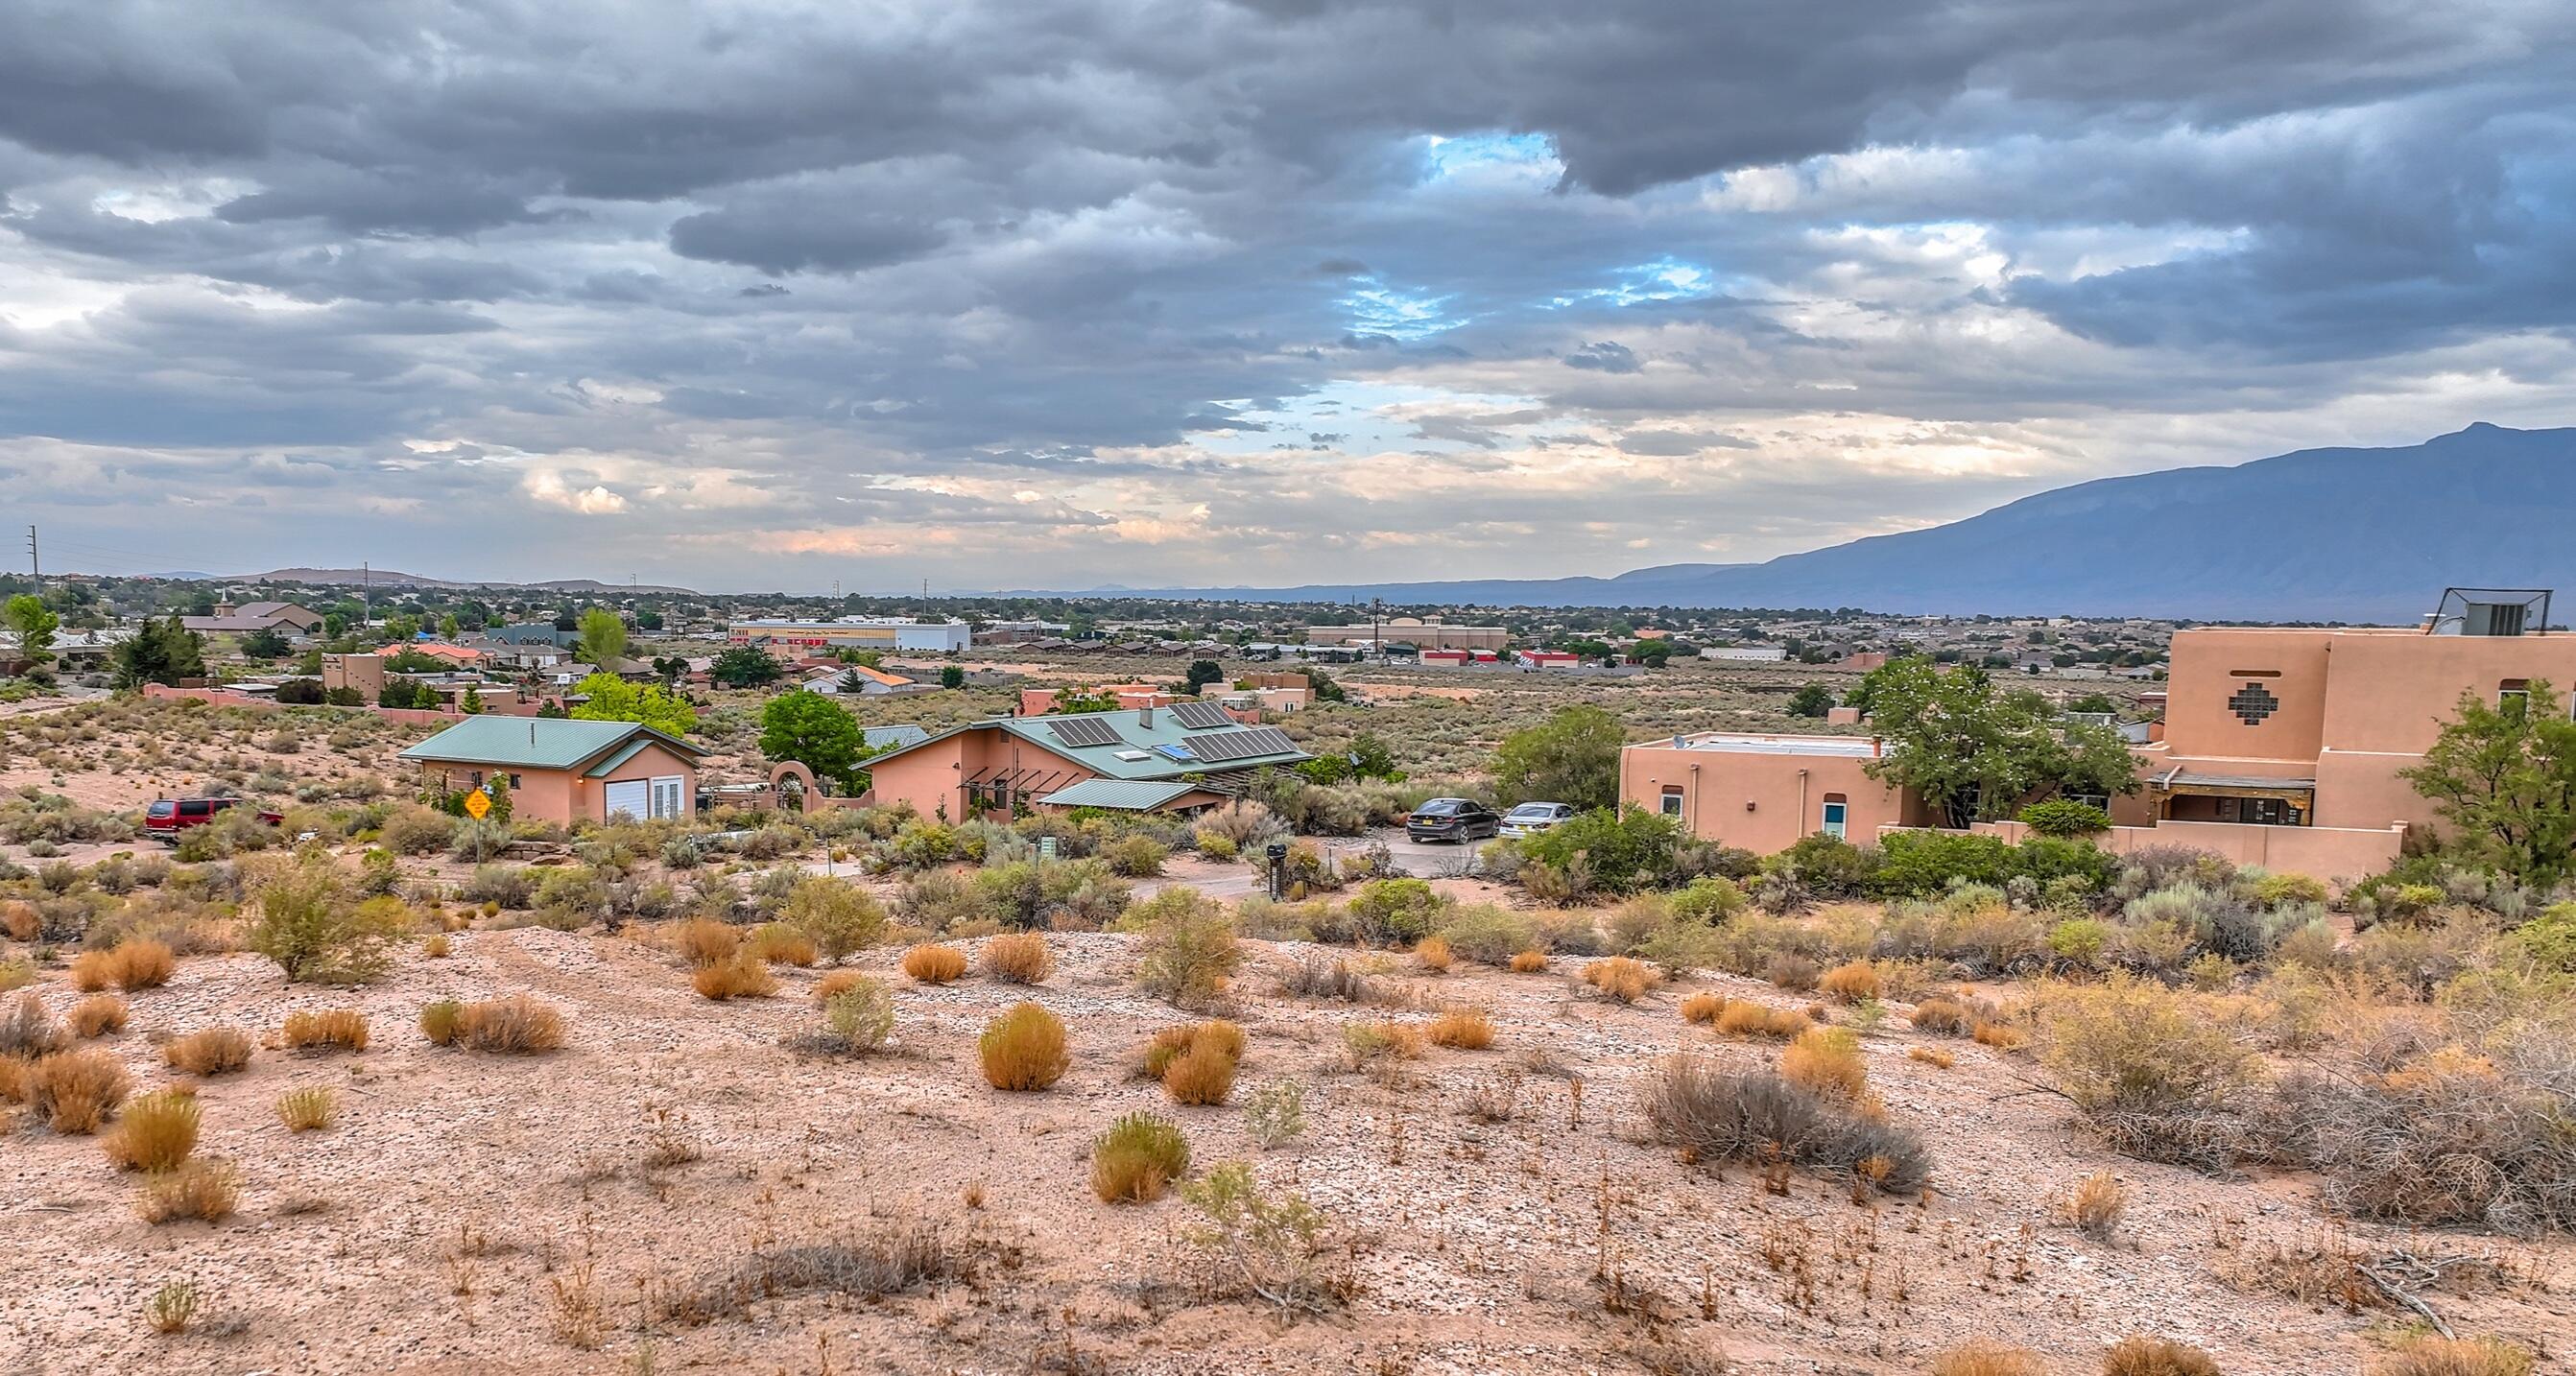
(390, 578)
(2358, 535)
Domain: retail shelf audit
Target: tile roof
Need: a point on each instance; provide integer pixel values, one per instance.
(538, 742)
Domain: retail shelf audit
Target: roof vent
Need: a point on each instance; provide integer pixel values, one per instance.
(2491, 612)
(1132, 756)
(1145, 716)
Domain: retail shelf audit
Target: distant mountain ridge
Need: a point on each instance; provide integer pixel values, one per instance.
(2361, 535)
(391, 578)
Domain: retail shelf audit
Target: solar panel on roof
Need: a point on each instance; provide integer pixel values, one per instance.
(1200, 714)
(1081, 731)
(1244, 744)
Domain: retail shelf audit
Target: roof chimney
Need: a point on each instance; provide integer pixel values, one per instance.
(1145, 716)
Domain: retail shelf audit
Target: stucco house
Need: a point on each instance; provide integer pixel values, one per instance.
(566, 771)
(1179, 758)
(285, 618)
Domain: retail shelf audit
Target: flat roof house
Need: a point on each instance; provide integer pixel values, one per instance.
(1766, 792)
(566, 771)
(1180, 758)
(285, 618)
(944, 637)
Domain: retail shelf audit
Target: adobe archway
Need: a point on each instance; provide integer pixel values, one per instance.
(792, 787)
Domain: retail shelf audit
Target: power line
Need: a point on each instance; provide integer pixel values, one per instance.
(35, 565)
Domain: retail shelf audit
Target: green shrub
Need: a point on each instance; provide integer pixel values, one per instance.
(1395, 912)
(1827, 866)
(1135, 857)
(1710, 900)
(1190, 948)
(2549, 940)
(2282, 890)
(2081, 940)
(310, 928)
(841, 918)
(1619, 851)
(1486, 934)
(1922, 864)
(2059, 817)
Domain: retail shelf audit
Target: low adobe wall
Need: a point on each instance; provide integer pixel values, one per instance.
(408, 716)
(2338, 854)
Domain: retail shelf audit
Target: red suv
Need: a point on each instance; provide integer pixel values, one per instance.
(167, 817)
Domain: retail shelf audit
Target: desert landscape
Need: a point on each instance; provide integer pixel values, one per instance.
(857, 1091)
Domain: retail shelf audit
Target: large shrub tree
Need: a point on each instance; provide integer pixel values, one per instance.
(1974, 752)
(2503, 775)
(603, 637)
(610, 698)
(816, 732)
(744, 666)
(1572, 757)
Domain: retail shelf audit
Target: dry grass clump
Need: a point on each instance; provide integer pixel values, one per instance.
(513, 1026)
(932, 963)
(208, 1190)
(73, 1092)
(1368, 1042)
(1529, 962)
(1932, 1056)
(1826, 1059)
(214, 1051)
(307, 1109)
(27, 1030)
(2431, 1356)
(1942, 1015)
(1435, 955)
(2157, 1072)
(1023, 1048)
(2142, 1356)
(1137, 1158)
(1852, 982)
(1743, 1018)
(835, 983)
(1703, 1007)
(2096, 1204)
(1791, 971)
(746, 976)
(1622, 977)
(1463, 1028)
(703, 941)
(1983, 1358)
(138, 963)
(172, 1307)
(441, 1022)
(2002, 1036)
(1201, 1076)
(1714, 1114)
(97, 1015)
(435, 947)
(1017, 958)
(1327, 979)
(156, 1132)
(332, 1029)
(776, 943)
(88, 971)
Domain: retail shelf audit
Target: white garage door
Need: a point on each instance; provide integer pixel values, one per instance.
(630, 798)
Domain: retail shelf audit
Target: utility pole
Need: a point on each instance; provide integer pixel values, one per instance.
(1377, 642)
(35, 565)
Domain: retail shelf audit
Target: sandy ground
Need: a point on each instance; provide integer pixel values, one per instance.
(435, 1228)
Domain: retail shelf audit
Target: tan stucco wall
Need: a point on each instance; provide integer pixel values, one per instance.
(1755, 801)
(564, 796)
(2328, 853)
(933, 775)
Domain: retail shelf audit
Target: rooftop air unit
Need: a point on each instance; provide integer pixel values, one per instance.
(2490, 612)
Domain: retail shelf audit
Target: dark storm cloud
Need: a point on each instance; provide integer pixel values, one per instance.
(675, 267)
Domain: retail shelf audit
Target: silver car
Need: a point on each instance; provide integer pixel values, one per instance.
(1529, 819)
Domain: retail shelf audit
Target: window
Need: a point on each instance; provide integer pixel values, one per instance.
(2513, 696)
(1837, 816)
(1672, 801)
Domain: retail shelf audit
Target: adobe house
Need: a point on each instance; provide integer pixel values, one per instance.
(1766, 792)
(1179, 758)
(285, 618)
(566, 771)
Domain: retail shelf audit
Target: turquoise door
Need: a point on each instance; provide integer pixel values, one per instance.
(1834, 815)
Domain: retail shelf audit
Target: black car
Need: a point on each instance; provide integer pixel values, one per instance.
(1451, 819)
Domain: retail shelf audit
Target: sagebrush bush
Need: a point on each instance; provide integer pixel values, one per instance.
(858, 1016)
(1465, 1029)
(97, 1015)
(1137, 1159)
(332, 1029)
(213, 1051)
(931, 963)
(73, 1092)
(1017, 958)
(517, 1025)
(1024, 1049)
(1190, 949)
(1713, 1114)
(156, 1131)
(199, 1189)
(2142, 1356)
(1275, 1114)
(746, 976)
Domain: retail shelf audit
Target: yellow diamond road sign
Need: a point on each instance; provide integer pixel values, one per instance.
(477, 803)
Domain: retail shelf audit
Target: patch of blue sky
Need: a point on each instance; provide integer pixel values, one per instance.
(1375, 308)
(1492, 156)
(1663, 279)
(1349, 416)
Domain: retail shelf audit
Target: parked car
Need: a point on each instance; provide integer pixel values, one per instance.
(1451, 819)
(1529, 819)
(167, 817)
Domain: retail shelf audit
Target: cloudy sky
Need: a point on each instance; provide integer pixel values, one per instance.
(1000, 294)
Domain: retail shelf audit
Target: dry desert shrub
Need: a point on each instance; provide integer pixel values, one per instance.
(88, 971)
(703, 941)
(1853, 982)
(1932, 1056)
(27, 1030)
(73, 1092)
(2430, 1356)
(1794, 972)
(208, 1190)
(777, 943)
(442, 1021)
(1366, 1043)
(1327, 979)
(885, 1261)
(1622, 977)
(307, 1109)
(1713, 1114)
(1201, 1076)
(172, 1307)
(2156, 1357)
(1017, 958)
(156, 1132)
(513, 1026)
(1826, 1059)
(1024, 1049)
(1463, 1028)
(1943, 1015)
(1529, 962)
(214, 1051)
(837, 982)
(141, 963)
(435, 947)
(2096, 1204)
(746, 976)
(1703, 1007)
(1137, 1159)
(932, 963)
(1435, 955)
(2002, 1036)
(332, 1029)
(857, 1017)
(97, 1015)
(2157, 1072)
(1984, 1358)
(1747, 1019)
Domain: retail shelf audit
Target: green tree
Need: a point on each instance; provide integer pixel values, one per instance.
(649, 619)
(817, 733)
(952, 676)
(2503, 775)
(2095, 703)
(1813, 700)
(1069, 703)
(1204, 672)
(603, 637)
(471, 704)
(449, 628)
(744, 666)
(611, 698)
(402, 629)
(160, 652)
(264, 643)
(35, 624)
(1973, 752)
(1572, 757)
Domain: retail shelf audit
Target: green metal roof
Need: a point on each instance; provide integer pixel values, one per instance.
(1118, 795)
(614, 758)
(1133, 736)
(539, 742)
